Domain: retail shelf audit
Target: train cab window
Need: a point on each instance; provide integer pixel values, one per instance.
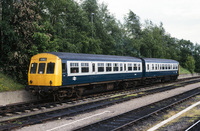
(100, 67)
(74, 67)
(84, 67)
(130, 68)
(63, 68)
(33, 68)
(108, 67)
(135, 67)
(121, 67)
(115, 67)
(139, 67)
(41, 68)
(50, 68)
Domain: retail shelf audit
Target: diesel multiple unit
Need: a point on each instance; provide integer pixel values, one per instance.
(65, 74)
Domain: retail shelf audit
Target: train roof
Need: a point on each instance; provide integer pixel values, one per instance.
(157, 60)
(94, 57)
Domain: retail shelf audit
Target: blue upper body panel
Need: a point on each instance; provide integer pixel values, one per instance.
(94, 57)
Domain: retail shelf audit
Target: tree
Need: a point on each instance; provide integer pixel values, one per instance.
(190, 64)
(133, 33)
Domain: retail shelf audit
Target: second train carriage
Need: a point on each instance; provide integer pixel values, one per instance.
(65, 74)
(160, 69)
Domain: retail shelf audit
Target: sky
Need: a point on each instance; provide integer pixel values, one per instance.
(180, 18)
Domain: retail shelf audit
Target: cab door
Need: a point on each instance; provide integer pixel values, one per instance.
(64, 73)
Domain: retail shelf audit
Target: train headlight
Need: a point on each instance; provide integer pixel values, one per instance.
(31, 81)
(51, 82)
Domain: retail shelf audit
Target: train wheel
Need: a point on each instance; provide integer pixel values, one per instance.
(70, 93)
(79, 92)
(125, 85)
(58, 96)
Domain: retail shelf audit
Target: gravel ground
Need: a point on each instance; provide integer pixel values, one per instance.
(178, 124)
(70, 123)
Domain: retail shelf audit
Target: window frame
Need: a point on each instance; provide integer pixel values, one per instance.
(35, 69)
(44, 68)
(48, 67)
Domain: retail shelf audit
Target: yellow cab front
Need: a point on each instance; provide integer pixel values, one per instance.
(45, 70)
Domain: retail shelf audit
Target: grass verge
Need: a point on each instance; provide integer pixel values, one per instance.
(184, 71)
(8, 84)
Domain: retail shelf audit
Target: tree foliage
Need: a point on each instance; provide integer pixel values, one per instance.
(190, 64)
(29, 27)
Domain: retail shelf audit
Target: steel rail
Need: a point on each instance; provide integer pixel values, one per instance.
(122, 121)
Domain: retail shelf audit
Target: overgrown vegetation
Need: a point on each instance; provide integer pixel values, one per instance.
(8, 84)
(29, 27)
(184, 71)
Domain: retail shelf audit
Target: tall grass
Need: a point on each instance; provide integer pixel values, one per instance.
(184, 71)
(8, 84)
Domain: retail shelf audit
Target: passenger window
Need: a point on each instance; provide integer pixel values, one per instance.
(121, 67)
(41, 68)
(147, 66)
(174, 66)
(130, 67)
(135, 67)
(108, 67)
(100, 67)
(163, 66)
(63, 68)
(115, 67)
(93, 67)
(50, 68)
(124, 67)
(33, 68)
(74, 67)
(156, 66)
(152, 66)
(84, 67)
(139, 67)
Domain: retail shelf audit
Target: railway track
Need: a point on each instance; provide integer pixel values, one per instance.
(72, 108)
(126, 120)
(27, 107)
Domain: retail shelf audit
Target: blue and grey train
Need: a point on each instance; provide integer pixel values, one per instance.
(64, 74)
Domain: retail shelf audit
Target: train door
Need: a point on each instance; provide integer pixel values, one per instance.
(94, 72)
(64, 73)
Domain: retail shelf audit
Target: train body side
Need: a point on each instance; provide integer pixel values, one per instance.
(93, 75)
(160, 68)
